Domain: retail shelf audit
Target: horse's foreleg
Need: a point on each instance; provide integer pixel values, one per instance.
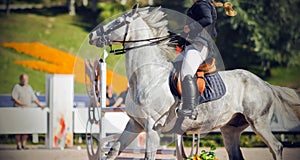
(130, 132)
(152, 140)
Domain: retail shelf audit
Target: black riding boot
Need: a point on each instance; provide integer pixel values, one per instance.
(189, 97)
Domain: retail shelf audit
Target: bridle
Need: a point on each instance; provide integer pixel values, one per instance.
(128, 18)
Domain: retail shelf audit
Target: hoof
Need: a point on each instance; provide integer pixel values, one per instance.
(114, 151)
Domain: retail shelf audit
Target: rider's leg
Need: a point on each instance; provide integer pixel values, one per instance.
(192, 59)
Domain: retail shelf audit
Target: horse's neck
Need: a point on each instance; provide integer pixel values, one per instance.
(148, 57)
(140, 30)
(146, 67)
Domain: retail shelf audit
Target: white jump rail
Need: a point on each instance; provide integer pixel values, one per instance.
(114, 120)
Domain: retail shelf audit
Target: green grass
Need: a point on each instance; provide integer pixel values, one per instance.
(289, 77)
(58, 31)
(10, 72)
(62, 32)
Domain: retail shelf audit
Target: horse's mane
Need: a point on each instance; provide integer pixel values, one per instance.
(155, 19)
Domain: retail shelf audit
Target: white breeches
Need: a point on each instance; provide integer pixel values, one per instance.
(191, 59)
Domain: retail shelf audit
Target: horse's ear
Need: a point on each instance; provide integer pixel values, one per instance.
(134, 9)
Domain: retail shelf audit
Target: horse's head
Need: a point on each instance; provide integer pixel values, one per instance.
(113, 31)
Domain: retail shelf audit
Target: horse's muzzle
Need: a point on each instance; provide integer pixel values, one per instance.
(99, 38)
(96, 40)
(90, 39)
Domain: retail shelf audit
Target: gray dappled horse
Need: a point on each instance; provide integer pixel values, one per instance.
(249, 101)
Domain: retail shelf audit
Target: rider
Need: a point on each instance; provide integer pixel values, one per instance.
(202, 12)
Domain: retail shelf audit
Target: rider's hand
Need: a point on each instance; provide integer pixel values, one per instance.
(186, 29)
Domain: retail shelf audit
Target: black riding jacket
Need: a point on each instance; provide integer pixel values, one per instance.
(204, 13)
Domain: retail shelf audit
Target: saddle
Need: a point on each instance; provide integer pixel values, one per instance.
(210, 86)
(209, 82)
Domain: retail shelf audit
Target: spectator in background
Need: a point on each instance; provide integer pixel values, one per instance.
(110, 96)
(23, 96)
(120, 102)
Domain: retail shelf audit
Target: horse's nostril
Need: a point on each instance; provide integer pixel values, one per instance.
(99, 44)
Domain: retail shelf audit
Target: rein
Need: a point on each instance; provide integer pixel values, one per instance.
(152, 41)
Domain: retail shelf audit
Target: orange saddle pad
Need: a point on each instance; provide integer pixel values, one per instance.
(207, 68)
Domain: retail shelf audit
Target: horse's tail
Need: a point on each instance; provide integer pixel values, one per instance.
(288, 105)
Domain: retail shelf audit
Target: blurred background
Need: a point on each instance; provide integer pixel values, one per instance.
(262, 38)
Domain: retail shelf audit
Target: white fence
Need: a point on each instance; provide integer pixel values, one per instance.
(23, 120)
(35, 120)
(113, 122)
